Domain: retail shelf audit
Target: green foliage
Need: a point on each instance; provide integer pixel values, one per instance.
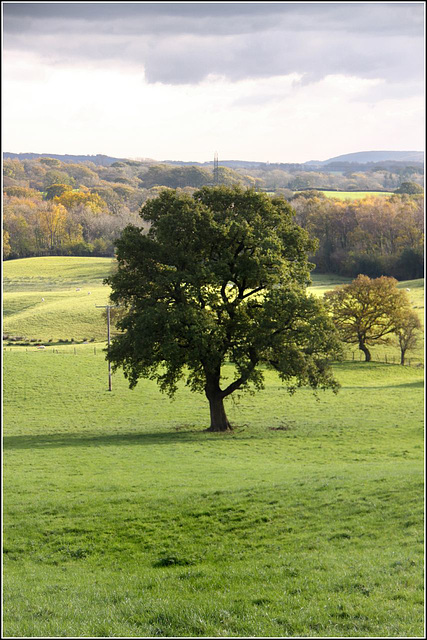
(173, 177)
(411, 263)
(55, 176)
(56, 190)
(310, 193)
(410, 188)
(220, 276)
(6, 244)
(50, 162)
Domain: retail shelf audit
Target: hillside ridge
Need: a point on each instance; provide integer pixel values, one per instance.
(360, 157)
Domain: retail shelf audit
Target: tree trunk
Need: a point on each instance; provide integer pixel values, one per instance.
(402, 356)
(219, 420)
(364, 348)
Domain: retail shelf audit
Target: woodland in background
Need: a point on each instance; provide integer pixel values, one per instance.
(53, 207)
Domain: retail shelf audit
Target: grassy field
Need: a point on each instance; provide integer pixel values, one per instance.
(42, 308)
(124, 518)
(54, 273)
(52, 298)
(355, 195)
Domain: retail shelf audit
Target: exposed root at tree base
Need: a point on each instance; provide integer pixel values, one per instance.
(215, 430)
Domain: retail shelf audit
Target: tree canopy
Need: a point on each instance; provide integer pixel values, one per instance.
(410, 188)
(220, 277)
(366, 312)
(408, 331)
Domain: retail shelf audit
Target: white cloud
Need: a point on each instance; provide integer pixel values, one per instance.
(90, 110)
(179, 43)
(284, 82)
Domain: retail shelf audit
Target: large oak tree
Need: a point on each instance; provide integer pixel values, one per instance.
(220, 277)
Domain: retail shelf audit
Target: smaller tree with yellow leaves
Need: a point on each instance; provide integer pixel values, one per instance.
(368, 311)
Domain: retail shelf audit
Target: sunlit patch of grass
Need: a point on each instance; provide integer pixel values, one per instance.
(355, 195)
(52, 272)
(54, 298)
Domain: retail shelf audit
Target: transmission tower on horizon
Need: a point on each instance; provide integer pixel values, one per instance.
(215, 170)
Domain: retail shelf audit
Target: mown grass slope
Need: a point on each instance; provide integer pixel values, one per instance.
(54, 273)
(55, 298)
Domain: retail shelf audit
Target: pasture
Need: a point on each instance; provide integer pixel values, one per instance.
(355, 195)
(53, 301)
(123, 518)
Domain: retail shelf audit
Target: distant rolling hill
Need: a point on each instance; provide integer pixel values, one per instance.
(363, 157)
(99, 159)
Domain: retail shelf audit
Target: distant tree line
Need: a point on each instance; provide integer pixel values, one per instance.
(53, 207)
(376, 235)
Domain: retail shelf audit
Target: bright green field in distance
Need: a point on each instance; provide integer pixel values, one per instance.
(67, 314)
(62, 315)
(355, 195)
(122, 518)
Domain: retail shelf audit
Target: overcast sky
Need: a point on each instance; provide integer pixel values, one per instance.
(278, 82)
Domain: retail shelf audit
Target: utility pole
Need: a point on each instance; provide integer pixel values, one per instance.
(108, 307)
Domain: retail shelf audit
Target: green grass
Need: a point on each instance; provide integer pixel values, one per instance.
(55, 298)
(41, 301)
(54, 273)
(355, 195)
(123, 518)
(59, 315)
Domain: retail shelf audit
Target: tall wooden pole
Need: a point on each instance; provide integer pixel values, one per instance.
(108, 307)
(110, 381)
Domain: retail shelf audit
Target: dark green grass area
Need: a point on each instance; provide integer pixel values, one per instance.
(124, 518)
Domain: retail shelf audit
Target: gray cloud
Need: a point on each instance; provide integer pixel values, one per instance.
(179, 43)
